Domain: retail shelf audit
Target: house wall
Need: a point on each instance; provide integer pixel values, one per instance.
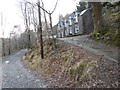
(80, 24)
(73, 27)
(83, 24)
(67, 30)
(87, 22)
(59, 31)
(77, 30)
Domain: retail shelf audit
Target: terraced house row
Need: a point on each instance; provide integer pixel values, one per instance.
(76, 23)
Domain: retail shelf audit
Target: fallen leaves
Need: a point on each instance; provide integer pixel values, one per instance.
(71, 66)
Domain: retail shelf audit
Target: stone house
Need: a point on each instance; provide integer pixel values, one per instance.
(76, 23)
(61, 29)
(87, 21)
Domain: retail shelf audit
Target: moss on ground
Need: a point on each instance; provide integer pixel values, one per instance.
(92, 63)
(80, 72)
(109, 33)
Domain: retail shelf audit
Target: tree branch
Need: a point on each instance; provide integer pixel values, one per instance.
(55, 7)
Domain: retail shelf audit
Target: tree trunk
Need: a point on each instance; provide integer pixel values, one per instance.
(97, 16)
(9, 46)
(46, 23)
(52, 32)
(3, 45)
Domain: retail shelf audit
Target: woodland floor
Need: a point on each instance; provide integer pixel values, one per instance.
(72, 66)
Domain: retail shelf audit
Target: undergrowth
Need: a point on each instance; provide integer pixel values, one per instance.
(110, 30)
(61, 60)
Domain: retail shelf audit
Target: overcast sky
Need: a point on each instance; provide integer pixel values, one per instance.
(12, 15)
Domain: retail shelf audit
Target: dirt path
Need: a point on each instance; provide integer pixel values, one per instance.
(15, 75)
(83, 41)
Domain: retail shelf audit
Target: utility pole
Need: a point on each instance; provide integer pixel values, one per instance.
(40, 30)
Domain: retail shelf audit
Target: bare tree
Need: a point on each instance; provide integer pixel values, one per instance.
(10, 43)
(34, 17)
(3, 51)
(4, 23)
(50, 17)
(16, 33)
(27, 20)
(13, 37)
(26, 11)
(45, 19)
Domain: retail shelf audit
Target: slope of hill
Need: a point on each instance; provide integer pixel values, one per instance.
(110, 32)
(68, 66)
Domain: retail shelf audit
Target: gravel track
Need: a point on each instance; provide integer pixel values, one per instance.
(15, 75)
(110, 53)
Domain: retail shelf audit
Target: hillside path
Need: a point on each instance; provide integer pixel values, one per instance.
(15, 75)
(98, 48)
